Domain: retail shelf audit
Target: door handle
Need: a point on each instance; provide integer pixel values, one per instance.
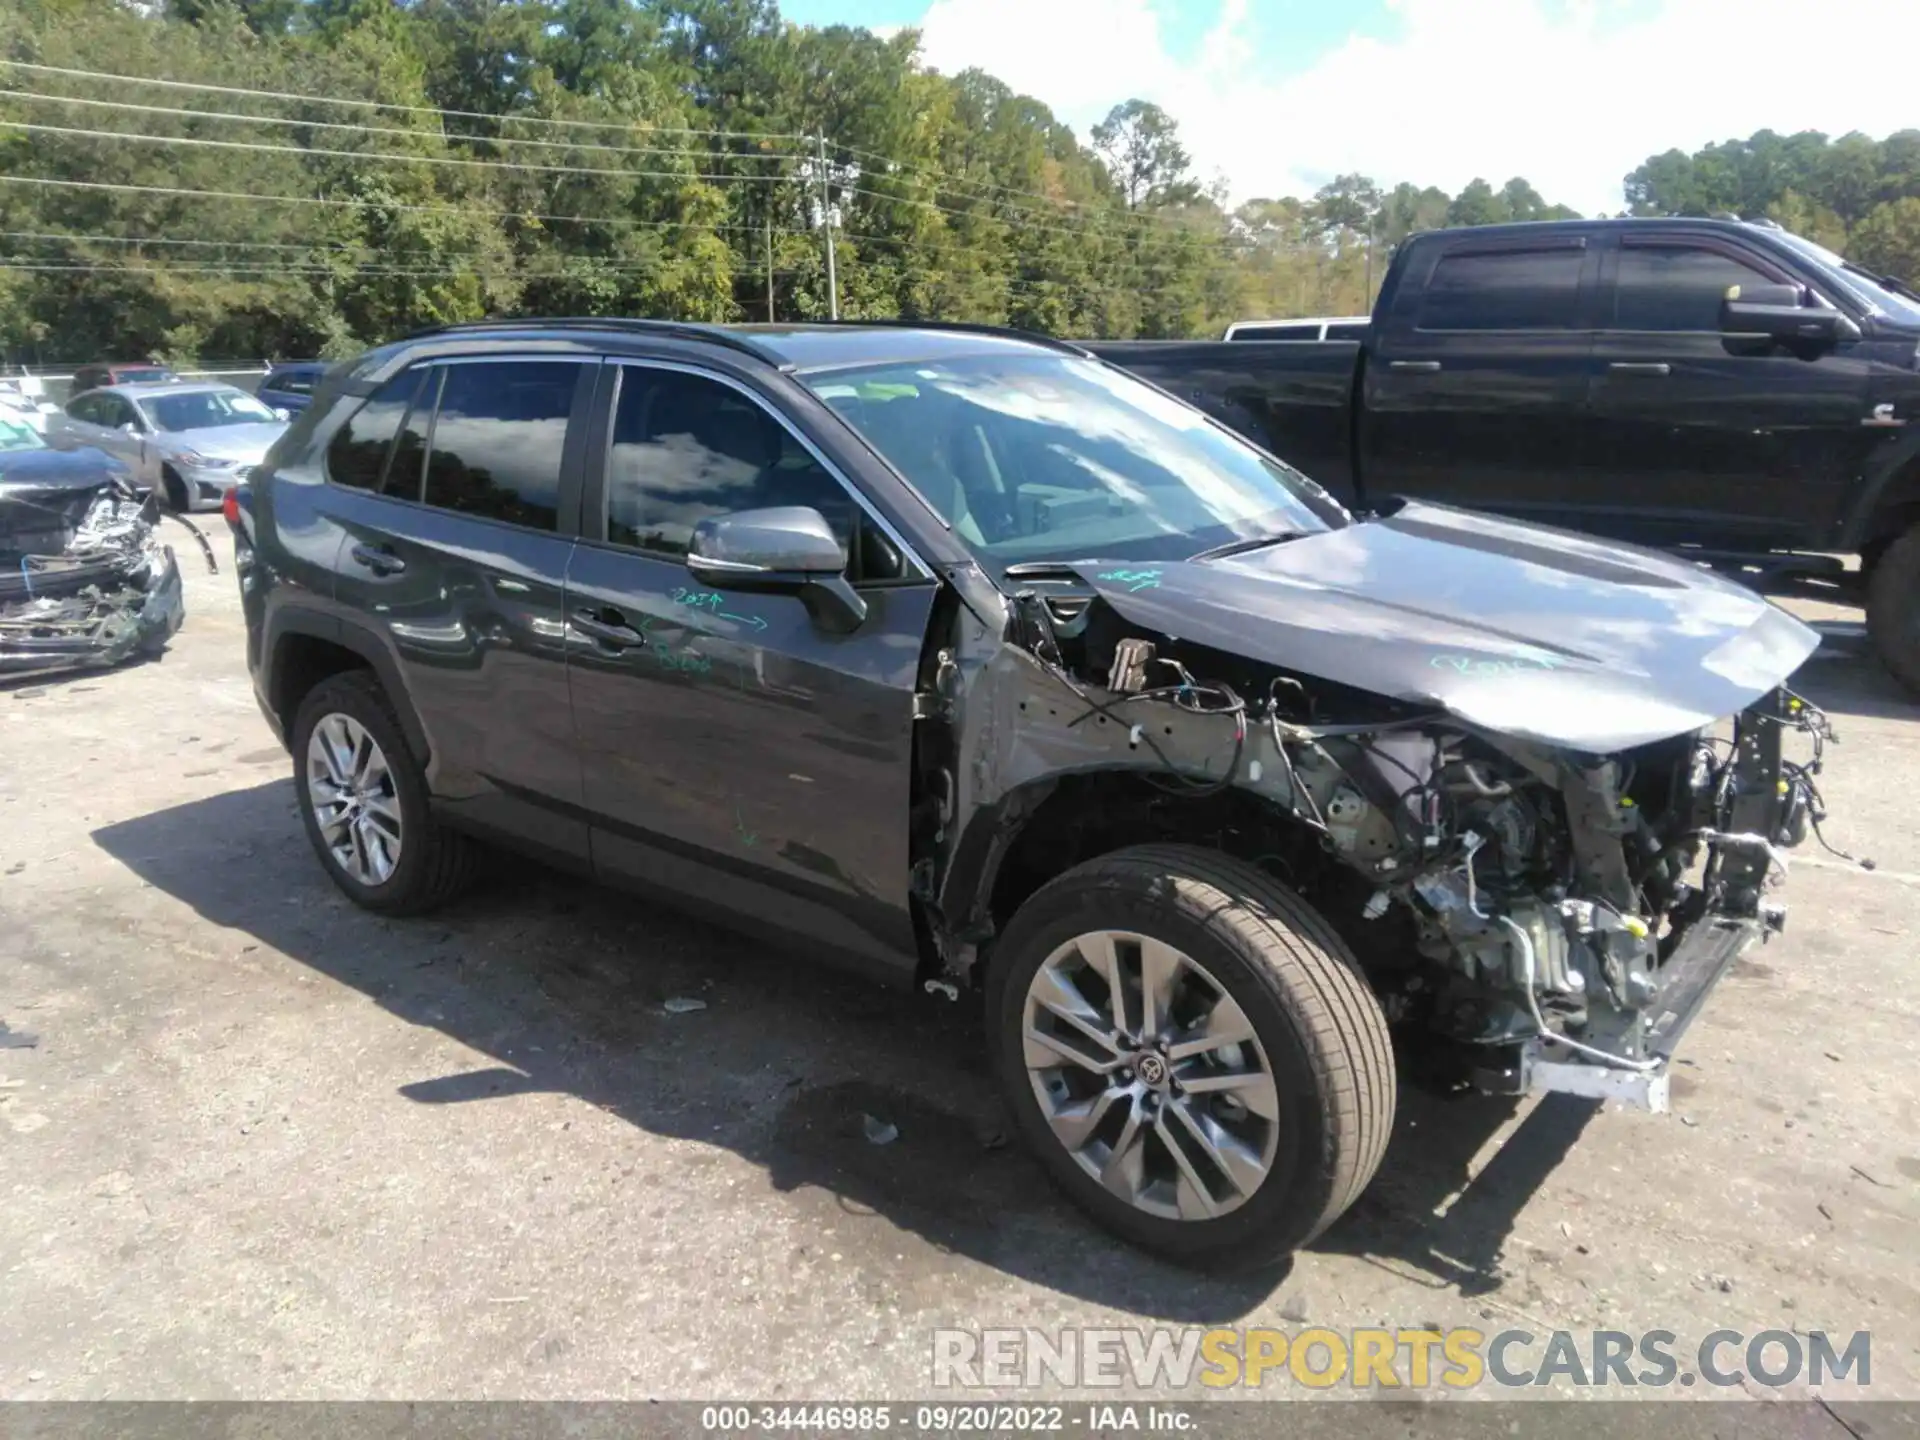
(1414, 367)
(378, 559)
(613, 632)
(1640, 367)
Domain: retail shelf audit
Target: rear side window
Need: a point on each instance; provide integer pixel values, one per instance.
(1347, 332)
(497, 440)
(290, 384)
(1504, 290)
(1676, 287)
(358, 455)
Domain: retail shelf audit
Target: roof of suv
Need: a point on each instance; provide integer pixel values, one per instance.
(798, 347)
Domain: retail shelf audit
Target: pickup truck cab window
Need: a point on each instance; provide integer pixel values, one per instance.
(1676, 286)
(1051, 457)
(1506, 289)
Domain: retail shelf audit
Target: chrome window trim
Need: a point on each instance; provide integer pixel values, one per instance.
(639, 362)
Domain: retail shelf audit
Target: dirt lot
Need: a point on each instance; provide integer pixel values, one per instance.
(256, 1143)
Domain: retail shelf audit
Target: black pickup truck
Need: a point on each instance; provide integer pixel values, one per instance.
(1719, 388)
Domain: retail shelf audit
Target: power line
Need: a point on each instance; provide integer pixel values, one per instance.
(174, 110)
(336, 202)
(464, 161)
(305, 99)
(893, 164)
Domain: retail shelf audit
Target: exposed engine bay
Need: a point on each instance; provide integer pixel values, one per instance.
(84, 578)
(1555, 915)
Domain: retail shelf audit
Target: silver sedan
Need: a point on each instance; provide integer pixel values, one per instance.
(192, 442)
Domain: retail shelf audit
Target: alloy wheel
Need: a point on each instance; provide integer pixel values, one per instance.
(1150, 1075)
(354, 801)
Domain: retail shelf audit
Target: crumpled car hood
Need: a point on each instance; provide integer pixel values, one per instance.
(1535, 633)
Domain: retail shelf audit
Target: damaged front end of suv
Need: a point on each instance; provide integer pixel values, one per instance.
(84, 579)
(1541, 786)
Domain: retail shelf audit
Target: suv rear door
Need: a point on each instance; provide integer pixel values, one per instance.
(731, 749)
(1475, 391)
(456, 487)
(1702, 439)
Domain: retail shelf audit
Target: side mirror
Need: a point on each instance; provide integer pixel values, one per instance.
(280, 414)
(784, 550)
(1781, 312)
(129, 428)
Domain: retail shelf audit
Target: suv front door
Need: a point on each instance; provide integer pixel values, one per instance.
(1710, 441)
(455, 487)
(731, 749)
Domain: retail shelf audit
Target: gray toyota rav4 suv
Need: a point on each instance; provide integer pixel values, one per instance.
(966, 658)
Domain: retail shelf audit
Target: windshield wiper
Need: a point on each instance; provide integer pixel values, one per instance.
(1241, 547)
(1885, 282)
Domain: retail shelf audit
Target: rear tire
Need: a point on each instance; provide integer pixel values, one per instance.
(387, 852)
(1247, 1189)
(1893, 608)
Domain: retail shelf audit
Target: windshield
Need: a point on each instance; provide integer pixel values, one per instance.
(1050, 457)
(206, 410)
(1863, 284)
(16, 434)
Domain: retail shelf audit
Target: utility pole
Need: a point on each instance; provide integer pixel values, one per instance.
(770, 267)
(826, 218)
(1367, 299)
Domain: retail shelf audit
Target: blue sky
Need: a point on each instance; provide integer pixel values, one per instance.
(1276, 96)
(1287, 34)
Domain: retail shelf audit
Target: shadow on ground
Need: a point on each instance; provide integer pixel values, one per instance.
(563, 984)
(1850, 685)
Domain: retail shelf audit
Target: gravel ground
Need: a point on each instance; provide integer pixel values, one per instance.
(255, 1143)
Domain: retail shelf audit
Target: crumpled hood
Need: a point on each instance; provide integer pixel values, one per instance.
(245, 443)
(1531, 632)
(57, 469)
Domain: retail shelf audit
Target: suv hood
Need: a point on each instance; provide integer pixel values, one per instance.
(1526, 631)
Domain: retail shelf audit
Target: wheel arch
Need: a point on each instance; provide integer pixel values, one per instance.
(1047, 826)
(305, 648)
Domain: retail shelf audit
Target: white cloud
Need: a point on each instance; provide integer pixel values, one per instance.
(1562, 93)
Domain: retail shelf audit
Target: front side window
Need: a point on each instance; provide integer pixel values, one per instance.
(1676, 287)
(1052, 457)
(685, 448)
(207, 410)
(1504, 290)
(85, 408)
(498, 435)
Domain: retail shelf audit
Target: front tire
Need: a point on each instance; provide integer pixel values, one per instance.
(1193, 1054)
(1893, 608)
(363, 798)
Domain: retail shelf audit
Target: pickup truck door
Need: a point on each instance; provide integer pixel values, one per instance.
(1702, 440)
(732, 751)
(1476, 380)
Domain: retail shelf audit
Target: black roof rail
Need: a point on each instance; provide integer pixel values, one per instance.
(1032, 337)
(673, 329)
